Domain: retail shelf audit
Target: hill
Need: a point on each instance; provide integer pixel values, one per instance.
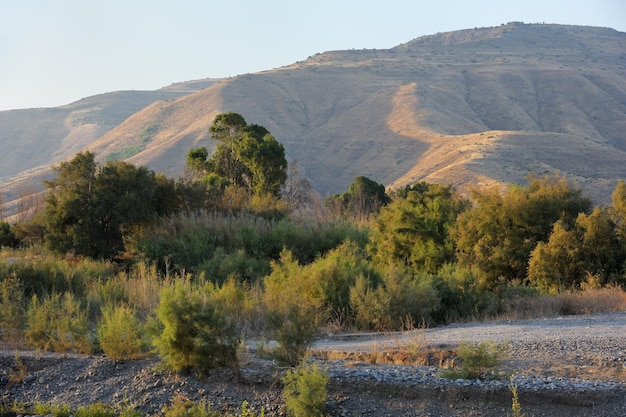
(476, 107)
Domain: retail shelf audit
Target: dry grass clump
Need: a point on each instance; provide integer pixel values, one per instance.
(408, 347)
(586, 301)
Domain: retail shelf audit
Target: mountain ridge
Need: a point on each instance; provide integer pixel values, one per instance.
(476, 107)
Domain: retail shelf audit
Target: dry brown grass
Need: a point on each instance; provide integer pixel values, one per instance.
(586, 301)
(408, 347)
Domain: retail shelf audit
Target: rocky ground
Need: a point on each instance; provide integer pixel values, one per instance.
(568, 366)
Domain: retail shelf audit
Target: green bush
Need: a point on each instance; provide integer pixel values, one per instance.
(462, 296)
(95, 410)
(12, 310)
(196, 331)
(223, 265)
(400, 297)
(478, 361)
(190, 241)
(181, 407)
(120, 333)
(49, 274)
(335, 273)
(184, 408)
(305, 391)
(54, 410)
(294, 307)
(58, 323)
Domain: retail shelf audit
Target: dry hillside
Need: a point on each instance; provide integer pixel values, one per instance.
(473, 107)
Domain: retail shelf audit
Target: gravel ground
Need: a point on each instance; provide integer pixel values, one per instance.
(564, 366)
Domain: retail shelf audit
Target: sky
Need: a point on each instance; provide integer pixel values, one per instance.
(54, 52)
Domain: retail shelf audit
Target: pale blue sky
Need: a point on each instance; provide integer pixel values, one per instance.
(53, 52)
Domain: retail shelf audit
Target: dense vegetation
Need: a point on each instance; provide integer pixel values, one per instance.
(239, 246)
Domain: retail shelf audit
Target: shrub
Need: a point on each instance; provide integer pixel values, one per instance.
(95, 410)
(516, 407)
(48, 275)
(305, 391)
(181, 407)
(184, 408)
(119, 333)
(12, 310)
(196, 332)
(294, 306)
(54, 410)
(481, 361)
(57, 323)
(244, 267)
(401, 296)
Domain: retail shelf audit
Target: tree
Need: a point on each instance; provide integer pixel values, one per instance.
(7, 235)
(197, 160)
(89, 208)
(589, 249)
(68, 204)
(413, 230)
(296, 190)
(248, 156)
(364, 197)
(498, 234)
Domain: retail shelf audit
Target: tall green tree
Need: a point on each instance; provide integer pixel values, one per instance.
(90, 207)
(413, 230)
(498, 234)
(248, 156)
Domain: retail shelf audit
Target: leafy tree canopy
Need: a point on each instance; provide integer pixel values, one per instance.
(248, 156)
(413, 230)
(497, 235)
(364, 197)
(90, 207)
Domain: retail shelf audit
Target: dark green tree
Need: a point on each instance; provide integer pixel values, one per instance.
(364, 197)
(413, 230)
(497, 235)
(89, 208)
(7, 235)
(197, 161)
(69, 202)
(248, 156)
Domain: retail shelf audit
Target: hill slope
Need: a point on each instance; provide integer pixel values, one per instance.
(473, 107)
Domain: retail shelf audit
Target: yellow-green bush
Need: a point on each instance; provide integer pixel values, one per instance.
(12, 310)
(196, 330)
(478, 361)
(399, 298)
(59, 323)
(305, 391)
(120, 333)
(294, 307)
